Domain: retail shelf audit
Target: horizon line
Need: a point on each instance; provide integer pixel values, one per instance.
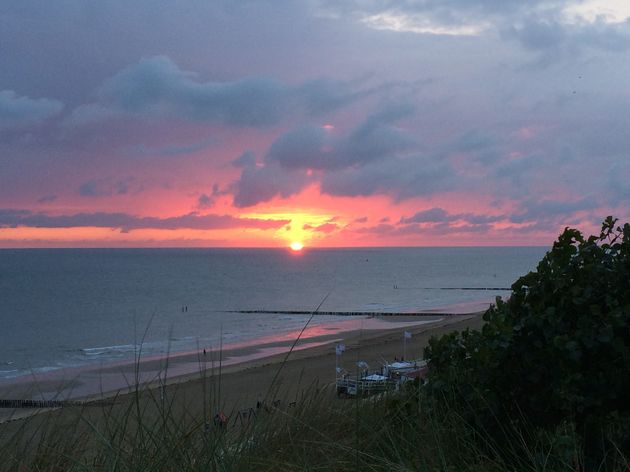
(305, 249)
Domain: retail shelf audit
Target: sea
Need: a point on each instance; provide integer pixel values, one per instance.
(71, 308)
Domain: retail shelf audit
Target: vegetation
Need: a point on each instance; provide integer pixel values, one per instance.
(544, 386)
(404, 432)
(557, 352)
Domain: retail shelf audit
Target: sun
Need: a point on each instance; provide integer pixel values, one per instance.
(296, 246)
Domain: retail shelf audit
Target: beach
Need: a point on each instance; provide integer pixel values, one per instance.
(282, 377)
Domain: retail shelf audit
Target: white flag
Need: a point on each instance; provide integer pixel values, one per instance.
(339, 349)
(407, 335)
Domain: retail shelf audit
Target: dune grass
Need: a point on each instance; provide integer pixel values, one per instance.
(399, 431)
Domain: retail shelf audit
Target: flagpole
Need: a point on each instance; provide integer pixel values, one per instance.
(339, 348)
(404, 345)
(336, 366)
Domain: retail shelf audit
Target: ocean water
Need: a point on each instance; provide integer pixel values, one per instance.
(63, 308)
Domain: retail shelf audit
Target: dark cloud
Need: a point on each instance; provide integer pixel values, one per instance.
(10, 218)
(157, 86)
(478, 146)
(247, 159)
(260, 184)
(441, 219)
(617, 179)
(18, 110)
(381, 229)
(207, 201)
(431, 215)
(451, 228)
(47, 199)
(546, 210)
(109, 187)
(400, 178)
(303, 148)
(318, 148)
(555, 40)
(552, 213)
(324, 95)
(364, 161)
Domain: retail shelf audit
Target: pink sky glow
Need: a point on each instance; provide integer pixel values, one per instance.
(259, 124)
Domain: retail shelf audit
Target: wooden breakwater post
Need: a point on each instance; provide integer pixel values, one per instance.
(33, 404)
(345, 313)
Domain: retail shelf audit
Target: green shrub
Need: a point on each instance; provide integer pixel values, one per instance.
(558, 349)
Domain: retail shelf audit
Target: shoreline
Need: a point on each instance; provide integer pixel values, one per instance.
(103, 379)
(247, 380)
(97, 379)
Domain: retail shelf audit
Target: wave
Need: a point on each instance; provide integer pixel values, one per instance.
(117, 350)
(14, 373)
(8, 373)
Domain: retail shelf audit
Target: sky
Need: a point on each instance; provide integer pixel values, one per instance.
(258, 123)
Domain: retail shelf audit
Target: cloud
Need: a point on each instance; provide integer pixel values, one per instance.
(545, 210)
(535, 215)
(362, 162)
(108, 187)
(173, 150)
(47, 199)
(617, 178)
(18, 110)
(554, 40)
(157, 86)
(400, 178)
(260, 184)
(405, 23)
(438, 218)
(417, 229)
(321, 96)
(431, 215)
(432, 17)
(11, 218)
(530, 216)
(207, 201)
(247, 159)
(554, 29)
(323, 228)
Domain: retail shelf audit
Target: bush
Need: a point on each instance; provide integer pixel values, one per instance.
(559, 349)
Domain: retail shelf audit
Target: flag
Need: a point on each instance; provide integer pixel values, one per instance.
(339, 349)
(407, 335)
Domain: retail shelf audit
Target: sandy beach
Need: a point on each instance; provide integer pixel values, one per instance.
(284, 377)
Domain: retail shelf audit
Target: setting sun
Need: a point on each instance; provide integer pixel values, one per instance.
(296, 246)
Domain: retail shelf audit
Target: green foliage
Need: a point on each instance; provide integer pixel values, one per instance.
(559, 349)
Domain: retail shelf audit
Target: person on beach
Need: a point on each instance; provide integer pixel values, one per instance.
(220, 420)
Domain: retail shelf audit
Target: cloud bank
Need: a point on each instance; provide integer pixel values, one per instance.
(12, 218)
